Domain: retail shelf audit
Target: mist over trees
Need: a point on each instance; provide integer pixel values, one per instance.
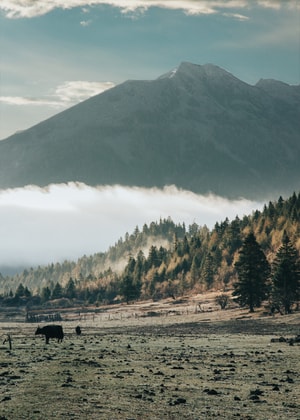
(257, 256)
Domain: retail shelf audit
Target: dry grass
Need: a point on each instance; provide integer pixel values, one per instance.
(130, 364)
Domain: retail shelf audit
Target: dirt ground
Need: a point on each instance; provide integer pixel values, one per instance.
(171, 360)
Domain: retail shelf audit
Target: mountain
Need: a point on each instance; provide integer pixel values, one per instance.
(197, 127)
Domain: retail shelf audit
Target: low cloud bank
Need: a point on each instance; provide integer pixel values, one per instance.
(67, 221)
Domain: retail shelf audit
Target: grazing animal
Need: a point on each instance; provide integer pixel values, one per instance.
(78, 330)
(51, 331)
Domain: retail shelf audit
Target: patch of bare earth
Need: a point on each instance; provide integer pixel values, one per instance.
(156, 360)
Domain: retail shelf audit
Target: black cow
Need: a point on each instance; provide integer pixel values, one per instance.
(51, 331)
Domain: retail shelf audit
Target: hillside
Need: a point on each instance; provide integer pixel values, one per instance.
(198, 127)
(163, 259)
(88, 268)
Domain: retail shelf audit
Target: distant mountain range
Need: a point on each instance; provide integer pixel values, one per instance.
(197, 127)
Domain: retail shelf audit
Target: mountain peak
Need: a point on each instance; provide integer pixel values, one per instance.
(188, 69)
(198, 127)
(206, 75)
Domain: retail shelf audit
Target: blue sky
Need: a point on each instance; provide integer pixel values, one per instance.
(53, 57)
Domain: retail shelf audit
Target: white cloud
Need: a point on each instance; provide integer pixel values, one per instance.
(30, 8)
(76, 91)
(66, 94)
(85, 22)
(44, 225)
(272, 4)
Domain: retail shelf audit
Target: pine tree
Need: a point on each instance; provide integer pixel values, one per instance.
(286, 276)
(57, 291)
(46, 294)
(20, 292)
(70, 290)
(253, 271)
(153, 260)
(130, 287)
(207, 274)
(27, 293)
(138, 272)
(195, 269)
(127, 288)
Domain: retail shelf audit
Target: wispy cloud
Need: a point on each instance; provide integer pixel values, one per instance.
(66, 94)
(44, 225)
(19, 100)
(29, 8)
(237, 16)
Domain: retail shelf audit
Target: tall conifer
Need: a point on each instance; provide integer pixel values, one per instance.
(286, 276)
(253, 271)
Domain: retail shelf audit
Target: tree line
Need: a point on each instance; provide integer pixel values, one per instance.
(186, 260)
(258, 280)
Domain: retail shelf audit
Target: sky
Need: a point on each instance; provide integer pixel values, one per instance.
(54, 54)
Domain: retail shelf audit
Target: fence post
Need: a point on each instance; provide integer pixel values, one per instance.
(9, 341)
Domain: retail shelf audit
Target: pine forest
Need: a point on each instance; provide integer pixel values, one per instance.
(257, 257)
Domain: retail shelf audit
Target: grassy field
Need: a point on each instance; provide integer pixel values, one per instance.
(147, 362)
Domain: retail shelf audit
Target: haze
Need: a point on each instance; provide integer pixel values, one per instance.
(41, 226)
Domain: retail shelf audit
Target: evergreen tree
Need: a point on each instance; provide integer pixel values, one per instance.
(130, 285)
(27, 293)
(57, 291)
(162, 255)
(193, 229)
(20, 292)
(207, 274)
(127, 288)
(46, 294)
(195, 269)
(185, 246)
(70, 290)
(139, 269)
(233, 235)
(286, 276)
(153, 260)
(253, 271)
(175, 242)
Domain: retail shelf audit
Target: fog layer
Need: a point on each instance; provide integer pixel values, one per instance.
(66, 221)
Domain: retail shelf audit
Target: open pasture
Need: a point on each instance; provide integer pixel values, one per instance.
(193, 366)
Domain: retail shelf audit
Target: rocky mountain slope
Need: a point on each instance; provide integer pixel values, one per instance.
(197, 127)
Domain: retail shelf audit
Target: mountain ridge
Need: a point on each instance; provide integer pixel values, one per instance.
(198, 127)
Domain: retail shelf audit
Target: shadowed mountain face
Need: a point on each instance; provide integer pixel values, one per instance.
(197, 127)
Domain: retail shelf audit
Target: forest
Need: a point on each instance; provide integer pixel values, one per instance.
(165, 259)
